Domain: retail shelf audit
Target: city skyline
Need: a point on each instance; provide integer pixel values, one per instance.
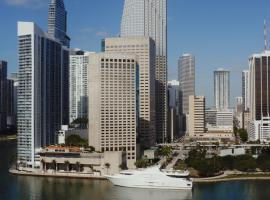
(217, 29)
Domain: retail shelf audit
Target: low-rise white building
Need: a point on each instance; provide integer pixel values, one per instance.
(232, 152)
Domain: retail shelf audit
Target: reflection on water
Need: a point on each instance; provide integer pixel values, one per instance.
(136, 193)
(49, 188)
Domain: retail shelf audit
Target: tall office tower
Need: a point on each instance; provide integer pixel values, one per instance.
(259, 67)
(42, 63)
(78, 84)
(113, 103)
(222, 89)
(196, 115)
(186, 77)
(3, 93)
(57, 21)
(245, 89)
(174, 109)
(149, 18)
(144, 49)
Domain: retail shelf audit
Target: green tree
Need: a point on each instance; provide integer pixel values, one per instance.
(243, 135)
(165, 151)
(76, 140)
(141, 163)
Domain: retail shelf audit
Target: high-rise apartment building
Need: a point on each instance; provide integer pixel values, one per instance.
(144, 49)
(222, 89)
(57, 21)
(3, 94)
(149, 18)
(259, 93)
(78, 84)
(113, 103)
(245, 89)
(196, 115)
(186, 77)
(43, 62)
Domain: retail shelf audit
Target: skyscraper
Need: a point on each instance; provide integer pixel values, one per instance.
(42, 64)
(149, 18)
(222, 89)
(3, 94)
(259, 67)
(245, 89)
(113, 103)
(57, 21)
(144, 49)
(78, 85)
(186, 77)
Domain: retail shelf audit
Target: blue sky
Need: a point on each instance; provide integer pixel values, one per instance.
(220, 33)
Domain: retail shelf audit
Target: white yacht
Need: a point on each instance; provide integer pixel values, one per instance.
(152, 177)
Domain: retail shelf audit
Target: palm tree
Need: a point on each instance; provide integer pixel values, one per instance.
(107, 165)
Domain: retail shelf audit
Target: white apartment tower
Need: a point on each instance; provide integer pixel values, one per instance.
(222, 89)
(78, 84)
(112, 103)
(196, 115)
(149, 18)
(144, 49)
(42, 67)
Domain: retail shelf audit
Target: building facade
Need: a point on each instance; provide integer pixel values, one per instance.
(113, 103)
(12, 100)
(149, 18)
(78, 84)
(259, 67)
(222, 89)
(57, 22)
(3, 94)
(245, 89)
(219, 119)
(144, 49)
(196, 115)
(43, 62)
(174, 110)
(186, 77)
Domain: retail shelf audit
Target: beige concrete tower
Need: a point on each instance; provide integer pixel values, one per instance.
(112, 103)
(196, 115)
(144, 49)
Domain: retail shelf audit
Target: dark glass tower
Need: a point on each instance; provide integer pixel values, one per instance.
(57, 22)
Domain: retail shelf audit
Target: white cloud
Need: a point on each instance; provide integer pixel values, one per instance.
(27, 3)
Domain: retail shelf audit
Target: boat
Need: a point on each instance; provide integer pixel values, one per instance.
(152, 178)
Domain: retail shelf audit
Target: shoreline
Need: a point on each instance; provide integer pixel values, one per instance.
(227, 178)
(233, 177)
(56, 175)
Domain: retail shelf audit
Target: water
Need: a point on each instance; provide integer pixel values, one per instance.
(36, 188)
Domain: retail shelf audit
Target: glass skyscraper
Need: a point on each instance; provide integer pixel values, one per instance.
(222, 89)
(149, 18)
(57, 21)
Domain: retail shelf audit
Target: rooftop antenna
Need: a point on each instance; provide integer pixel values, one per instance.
(265, 36)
